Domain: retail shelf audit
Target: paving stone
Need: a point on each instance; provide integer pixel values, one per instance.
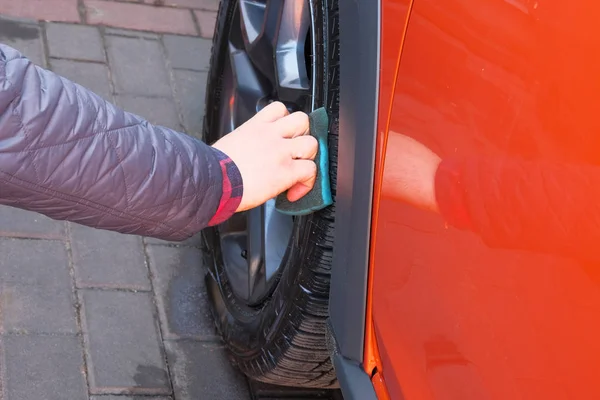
(157, 110)
(35, 287)
(191, 89)
(75, 41)
(27, 224)
(129, 33)
(206, 23)
(37, 309)
(123, 344)
(178, 276)
(47, 10)
(140, 17)
(202, 371)
(108, 259)
(40, 263)
(92, 76)
(44, 367)
(25, 36)
(138, 66)
(188, 52)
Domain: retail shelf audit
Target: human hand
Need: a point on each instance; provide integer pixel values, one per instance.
(273, 152)
(410, 174)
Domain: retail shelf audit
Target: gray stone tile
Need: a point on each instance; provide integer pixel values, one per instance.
(194, 241)
(44, 367)
(191, 89)
(74, 41)
(138, 66)
(202, 371)
(25, 36)
(157, 110)
(92, 76)
(129, 33)
(40, 263)
(27, 224)
(188, 52)
(108, 259)
(35, 287)
(178, 275)
(122, 344)
(37, 309)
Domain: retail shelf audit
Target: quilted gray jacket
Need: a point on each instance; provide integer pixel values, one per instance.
(68, 154)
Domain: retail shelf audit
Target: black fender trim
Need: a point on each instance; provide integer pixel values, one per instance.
(359, 94)
(360, 32)
(354, 382)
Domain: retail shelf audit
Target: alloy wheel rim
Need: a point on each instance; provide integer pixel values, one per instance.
(270, 47)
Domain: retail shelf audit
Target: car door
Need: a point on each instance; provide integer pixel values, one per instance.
(453, 318)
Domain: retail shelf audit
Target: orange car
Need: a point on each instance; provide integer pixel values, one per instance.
(372, 295)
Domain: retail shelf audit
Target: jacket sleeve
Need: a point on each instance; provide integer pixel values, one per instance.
(68, 154)
(529, 205)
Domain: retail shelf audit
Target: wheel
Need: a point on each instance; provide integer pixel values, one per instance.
(268, 273)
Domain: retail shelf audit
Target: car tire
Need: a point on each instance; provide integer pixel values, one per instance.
(282, 340)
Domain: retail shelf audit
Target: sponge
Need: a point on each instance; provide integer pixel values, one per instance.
(319, 196)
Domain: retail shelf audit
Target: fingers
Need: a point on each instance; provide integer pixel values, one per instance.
(303, 147)
(295, 124)
(272, 112)
(305, 174)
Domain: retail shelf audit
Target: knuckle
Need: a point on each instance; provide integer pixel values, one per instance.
(279, 106)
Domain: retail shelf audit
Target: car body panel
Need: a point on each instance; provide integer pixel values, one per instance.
(394, 21)
(453, 318)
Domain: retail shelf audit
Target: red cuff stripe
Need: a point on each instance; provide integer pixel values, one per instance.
(232, 191)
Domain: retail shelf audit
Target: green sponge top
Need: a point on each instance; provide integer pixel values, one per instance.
(319, 196)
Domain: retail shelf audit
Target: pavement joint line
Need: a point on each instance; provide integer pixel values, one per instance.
(156, 316)
(78, 307)
(16, 236)
(108, 288)
(82, 10)
(173, 84)
(111, 288)
(160, 6)
(189, 69)
(196, 23)
(112, 89)
(81, 60)
(45, 45)
(130, 37)
(2, 365)
(214, 342)
(173, 246)
(41, 334)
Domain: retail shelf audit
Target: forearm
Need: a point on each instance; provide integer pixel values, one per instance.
(517, 204)
(68, 154)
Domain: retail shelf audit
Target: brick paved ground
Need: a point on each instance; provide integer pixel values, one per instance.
(87, 314)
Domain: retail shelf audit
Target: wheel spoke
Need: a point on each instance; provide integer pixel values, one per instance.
(250, 89)
(293, 83)
(259, 21)
(256, 249)
(277, 234)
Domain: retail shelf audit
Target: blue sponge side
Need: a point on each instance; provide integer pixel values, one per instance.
(320, 195)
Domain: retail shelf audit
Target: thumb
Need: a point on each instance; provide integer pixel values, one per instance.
(305, 174)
